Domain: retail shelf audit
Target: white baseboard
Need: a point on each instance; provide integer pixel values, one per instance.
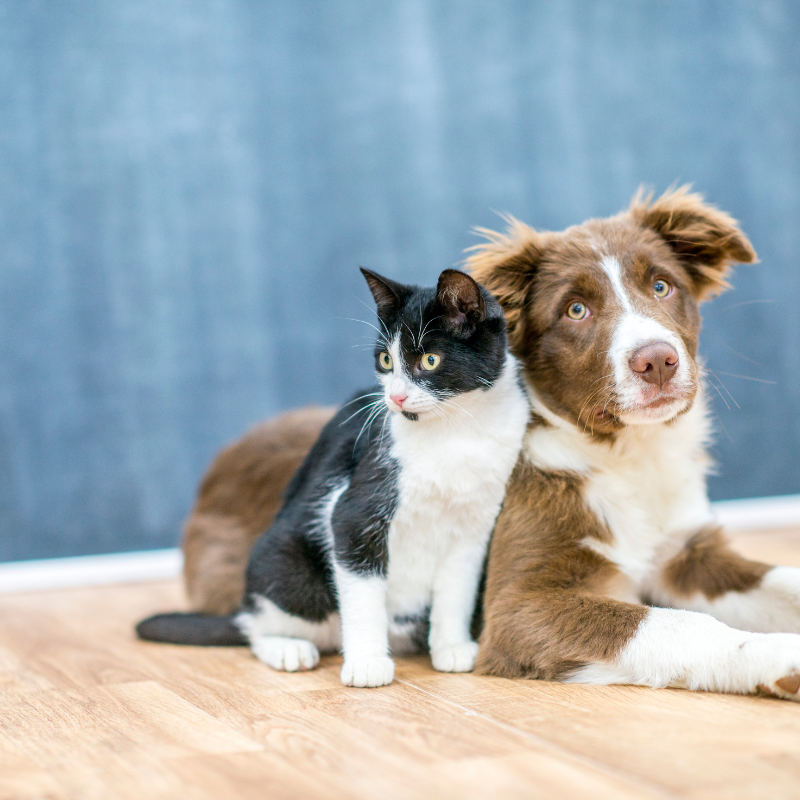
(760, 513)
(63, 573)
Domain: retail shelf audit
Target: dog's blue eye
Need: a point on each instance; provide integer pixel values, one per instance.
(577, 311)
(661, 288)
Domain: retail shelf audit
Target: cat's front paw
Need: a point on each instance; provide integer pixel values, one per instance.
(284, 653)
(455, 657)
(368, 672)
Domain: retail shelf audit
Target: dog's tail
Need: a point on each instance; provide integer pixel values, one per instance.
(196, 629)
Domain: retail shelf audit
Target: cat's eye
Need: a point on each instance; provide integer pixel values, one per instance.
(661, 289)
(577, 311)
(430, 361)
(385, 360)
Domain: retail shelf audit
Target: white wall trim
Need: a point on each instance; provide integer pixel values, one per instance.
(760, 513)
(63, 573)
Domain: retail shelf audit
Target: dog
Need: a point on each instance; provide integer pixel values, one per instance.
(606, 564)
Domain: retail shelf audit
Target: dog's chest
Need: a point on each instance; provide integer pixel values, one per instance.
(648, 488)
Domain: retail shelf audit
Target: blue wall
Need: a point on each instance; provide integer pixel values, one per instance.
(186, 189)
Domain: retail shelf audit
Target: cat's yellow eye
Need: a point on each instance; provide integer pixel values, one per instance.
(661, 288)
(385, 360)
(430, 361)
(577, 311)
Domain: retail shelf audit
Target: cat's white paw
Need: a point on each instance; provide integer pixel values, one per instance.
(284, 653)
(455, 657)
(370, 671)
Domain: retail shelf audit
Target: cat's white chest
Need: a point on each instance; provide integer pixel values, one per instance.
(451, 481)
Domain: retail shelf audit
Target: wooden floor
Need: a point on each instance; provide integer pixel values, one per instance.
(86, 711)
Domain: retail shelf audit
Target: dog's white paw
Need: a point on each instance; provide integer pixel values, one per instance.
(284, 653)
(368, 672)
(455, 657)
(775, 664)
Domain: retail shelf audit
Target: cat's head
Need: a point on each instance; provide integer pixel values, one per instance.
(436, 343)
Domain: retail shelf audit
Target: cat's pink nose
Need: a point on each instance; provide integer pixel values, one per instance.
(399, 398)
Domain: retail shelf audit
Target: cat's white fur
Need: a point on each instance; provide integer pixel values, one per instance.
(455, 462)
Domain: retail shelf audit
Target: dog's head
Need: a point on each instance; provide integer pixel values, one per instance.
(604, 315)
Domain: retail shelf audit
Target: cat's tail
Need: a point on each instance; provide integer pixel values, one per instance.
(196, 629)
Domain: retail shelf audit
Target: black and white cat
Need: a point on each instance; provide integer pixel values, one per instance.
(380, 544)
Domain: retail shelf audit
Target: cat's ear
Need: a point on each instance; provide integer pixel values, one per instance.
(461, 301)
(388, 294)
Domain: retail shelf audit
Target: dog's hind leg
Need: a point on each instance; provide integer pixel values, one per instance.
(708, 576)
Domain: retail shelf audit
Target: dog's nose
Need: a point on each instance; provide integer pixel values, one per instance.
(655, 362)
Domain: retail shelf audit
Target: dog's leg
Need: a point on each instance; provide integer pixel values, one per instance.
(695, 651)
(580, 638)
(708, 576)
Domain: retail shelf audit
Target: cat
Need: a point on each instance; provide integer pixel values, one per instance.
(381, 542)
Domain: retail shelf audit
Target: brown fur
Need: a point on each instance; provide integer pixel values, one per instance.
(708, 565)
(546, 608)
(238, 499)
(550, 602)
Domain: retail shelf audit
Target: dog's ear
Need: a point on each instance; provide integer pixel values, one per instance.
(707, 241)
(506, 264)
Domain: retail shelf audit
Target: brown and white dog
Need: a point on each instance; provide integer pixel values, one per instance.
(606, 564)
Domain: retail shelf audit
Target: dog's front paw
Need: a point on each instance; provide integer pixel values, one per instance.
(786, 687)
(368, 672)
(455, 657)
(775, 659)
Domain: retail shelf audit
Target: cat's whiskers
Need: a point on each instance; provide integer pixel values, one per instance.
(381, 338)
(368, 406)
(368, 423)
(451, 403)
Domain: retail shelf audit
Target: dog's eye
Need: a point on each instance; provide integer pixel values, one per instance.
(661, 288)
(430, 361)
(577, 311)
(385, 360)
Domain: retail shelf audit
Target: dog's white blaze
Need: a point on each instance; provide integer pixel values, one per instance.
(695, 651)
(613, 269)
(633, 330)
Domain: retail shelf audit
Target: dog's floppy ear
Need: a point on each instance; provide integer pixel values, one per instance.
(707, 241)
(506, 264)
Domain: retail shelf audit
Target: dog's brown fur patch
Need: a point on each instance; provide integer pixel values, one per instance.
(708, 565)
(238, 499)
(546, 612)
